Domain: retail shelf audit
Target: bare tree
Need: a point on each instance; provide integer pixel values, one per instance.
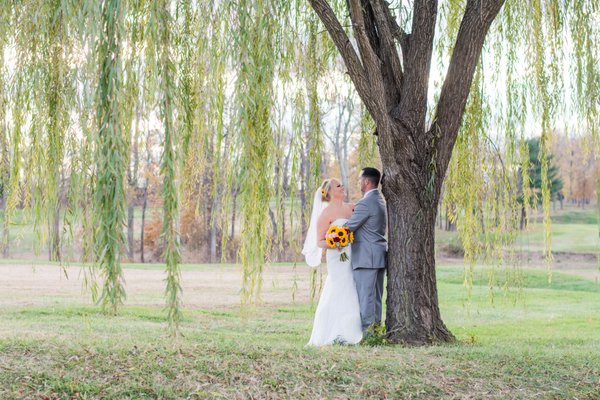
(147, 171)
(340, 139)
(4, 182)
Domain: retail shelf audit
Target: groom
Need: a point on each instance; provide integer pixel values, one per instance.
(368, 222)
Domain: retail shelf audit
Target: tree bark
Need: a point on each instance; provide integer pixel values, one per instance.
(413, 315)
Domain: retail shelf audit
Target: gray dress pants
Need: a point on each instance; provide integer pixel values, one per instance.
(369, 286)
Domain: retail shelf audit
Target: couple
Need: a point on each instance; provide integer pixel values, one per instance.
(351, 298)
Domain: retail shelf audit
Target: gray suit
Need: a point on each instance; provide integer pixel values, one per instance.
(368, 222)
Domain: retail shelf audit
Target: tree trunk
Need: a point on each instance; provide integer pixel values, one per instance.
(233, 212)
(450, 226)
(213, 234)
(212, 226)
(523, 222)
(4, 177)
(4, 241)
(130, 210)
(303, 184)
(213, 243)
(413, 315)
(343, 161)
(144, 205)
(54, 246)
(286, 168)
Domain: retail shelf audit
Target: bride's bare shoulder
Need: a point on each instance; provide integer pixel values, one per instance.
(349, 205)
(325, 214)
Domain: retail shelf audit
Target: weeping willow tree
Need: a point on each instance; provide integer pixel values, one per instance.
(235, 88)
(390, 66)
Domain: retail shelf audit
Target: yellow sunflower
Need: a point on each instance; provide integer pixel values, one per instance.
(344, 241)
(330, 243)
(351, 237)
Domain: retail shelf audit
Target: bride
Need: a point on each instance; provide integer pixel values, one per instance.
(337, 319)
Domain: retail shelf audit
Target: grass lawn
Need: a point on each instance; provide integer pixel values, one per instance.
(539, 342)
(573, 230)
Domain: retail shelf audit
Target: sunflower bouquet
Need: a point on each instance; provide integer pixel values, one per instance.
(339, 237)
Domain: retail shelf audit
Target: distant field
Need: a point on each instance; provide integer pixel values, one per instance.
(574, 230)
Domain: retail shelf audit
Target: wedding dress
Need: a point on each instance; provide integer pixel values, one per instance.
(337, 319)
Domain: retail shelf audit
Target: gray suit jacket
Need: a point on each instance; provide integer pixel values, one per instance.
(368, 222)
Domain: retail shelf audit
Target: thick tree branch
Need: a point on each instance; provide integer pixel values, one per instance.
(371, 62)
(388, 44)
(477, 19)
(397, 32)
(392, 90)
(353, 64)
(417, 61)
(370, 27)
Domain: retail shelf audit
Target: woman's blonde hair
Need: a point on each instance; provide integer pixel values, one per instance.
(325, 187)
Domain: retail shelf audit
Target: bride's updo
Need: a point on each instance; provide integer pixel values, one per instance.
(325, 187)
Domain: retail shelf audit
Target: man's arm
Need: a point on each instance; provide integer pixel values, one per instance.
(359, 216)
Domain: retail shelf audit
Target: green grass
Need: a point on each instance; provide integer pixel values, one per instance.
(572, 238)
(587, 216)
(573, 230)
(532, 279)
(540, 342)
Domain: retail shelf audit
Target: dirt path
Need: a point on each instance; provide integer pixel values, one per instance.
(210, 287)
(580, 264)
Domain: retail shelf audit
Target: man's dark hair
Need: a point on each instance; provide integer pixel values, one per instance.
(372, 174)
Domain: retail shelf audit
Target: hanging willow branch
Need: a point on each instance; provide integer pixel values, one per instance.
(111, 160)
(168, 169)
(55, 125)
(255, 100)
(4, 136)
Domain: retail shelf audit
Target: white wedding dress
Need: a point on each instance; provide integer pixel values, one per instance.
(337, 319)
